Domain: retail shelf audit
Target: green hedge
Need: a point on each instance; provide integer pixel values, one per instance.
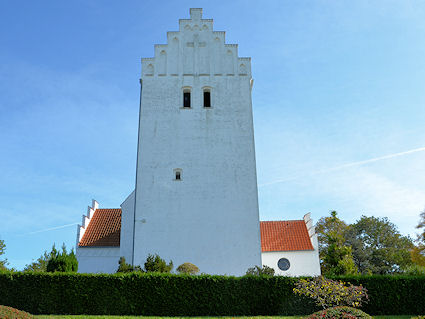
(185, 295)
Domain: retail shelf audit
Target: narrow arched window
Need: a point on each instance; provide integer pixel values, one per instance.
(207, 98)
(186, 98)
(177, 174)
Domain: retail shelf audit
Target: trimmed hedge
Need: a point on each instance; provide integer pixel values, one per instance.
(186, 295)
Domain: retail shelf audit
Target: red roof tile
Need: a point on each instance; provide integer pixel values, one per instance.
(284, 235)
(104, 229)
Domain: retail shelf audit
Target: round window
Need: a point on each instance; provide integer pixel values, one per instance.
(283, 264)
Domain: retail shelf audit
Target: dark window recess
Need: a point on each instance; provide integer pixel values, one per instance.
(207, 99)
(178, 176)
(186, 99)
(283, 264)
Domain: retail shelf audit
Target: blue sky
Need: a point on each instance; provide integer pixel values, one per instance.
(337, 83)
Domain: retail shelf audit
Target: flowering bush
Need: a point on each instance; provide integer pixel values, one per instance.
(328, 293)
(12, 313)
(341, 312)
(187, 268)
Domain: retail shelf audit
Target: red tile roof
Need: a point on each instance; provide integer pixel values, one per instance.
(104, 229)
(287, 235)
(284, 235)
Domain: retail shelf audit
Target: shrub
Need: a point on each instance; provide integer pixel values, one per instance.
(157, 264)
(258, 271)
(187, 268)
(328, 293)
(415, 270)
(156, 294)
(124, 267)
(62, 262)
(341, 312)
(12, 313)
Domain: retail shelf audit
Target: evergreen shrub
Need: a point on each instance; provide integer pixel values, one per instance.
(162, 294)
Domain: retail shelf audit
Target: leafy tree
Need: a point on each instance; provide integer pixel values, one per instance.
(378, 247)
(326, 225)
(421, 226)
(415, 270)
(187, 268)
(154, 263)
(3, 263)
(418, 252)
(124, 267)
(40, 265)
(258, 271)
(63, 262)
(335, 256)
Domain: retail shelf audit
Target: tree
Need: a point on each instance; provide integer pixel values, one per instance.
(187, 268)
(335, 256)
(63, 262)
(378, 247)
(421, 226)
(326, 225)
(3, 263)
(154, 263)
(258, 271)
(418, 252)
(40, 265)
(124, 267)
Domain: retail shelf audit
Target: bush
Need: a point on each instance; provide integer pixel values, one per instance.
(341, 312)
(124, 267)
(187, 268)
(415, 270)
(328, 293)
(62, 262)
(12, 313)
(157, 264)
(258, 271)
(159, 294)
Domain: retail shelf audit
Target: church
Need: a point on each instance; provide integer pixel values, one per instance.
(195, 197)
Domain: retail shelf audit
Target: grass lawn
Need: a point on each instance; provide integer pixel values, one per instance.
(140, 317)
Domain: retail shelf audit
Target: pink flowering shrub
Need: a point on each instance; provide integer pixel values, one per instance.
(340, 313)
(12, 313)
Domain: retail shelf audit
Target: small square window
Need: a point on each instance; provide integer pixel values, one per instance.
(178, 176)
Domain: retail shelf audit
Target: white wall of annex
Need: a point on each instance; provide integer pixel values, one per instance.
(302, 262)
(126, 236)
(97, 259)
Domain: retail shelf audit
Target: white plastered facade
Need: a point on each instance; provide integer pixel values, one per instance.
(210, 216)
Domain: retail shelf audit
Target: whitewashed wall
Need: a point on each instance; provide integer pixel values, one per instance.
(127, 221)
(302, 263)
(210, 217)
(97, 259)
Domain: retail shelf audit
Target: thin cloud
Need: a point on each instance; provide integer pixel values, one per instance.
(336, 168)
(49, 229)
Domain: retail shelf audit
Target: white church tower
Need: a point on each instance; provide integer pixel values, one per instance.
(196, 186)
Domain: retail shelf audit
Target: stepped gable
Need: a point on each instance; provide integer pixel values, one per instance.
(104, 229)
